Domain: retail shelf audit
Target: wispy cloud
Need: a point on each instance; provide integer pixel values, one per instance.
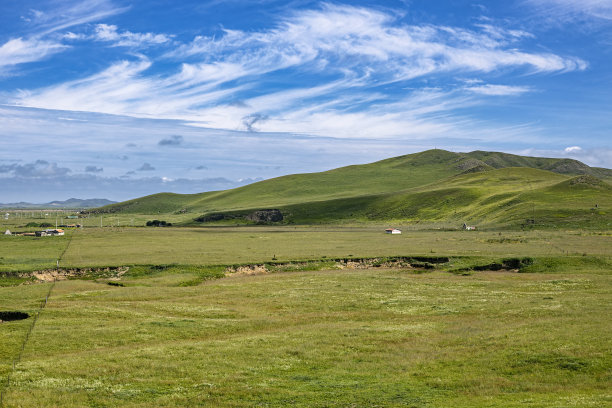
(371, 41)
(498, 90)
(354, 57)
(38, 44)
(110, 33)
(53, 16)
(568, 10)
(19, 50)
(598, 157)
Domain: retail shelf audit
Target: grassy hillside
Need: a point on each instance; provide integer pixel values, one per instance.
(398, 173)
(512, 196)
(562, 166)
(435, 185)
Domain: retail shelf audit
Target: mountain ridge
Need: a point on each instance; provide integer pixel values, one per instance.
(71, 203)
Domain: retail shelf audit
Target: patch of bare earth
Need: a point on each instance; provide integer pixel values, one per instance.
(51, 275)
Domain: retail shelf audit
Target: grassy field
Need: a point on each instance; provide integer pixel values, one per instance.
(102, 247)
(342, 338)
(173, 332)
(231, 245)
(19, 253)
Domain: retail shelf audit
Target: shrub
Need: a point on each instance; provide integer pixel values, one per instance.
(158, 223)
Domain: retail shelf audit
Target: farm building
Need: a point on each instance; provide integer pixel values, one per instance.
(7, 232)
(468, 227)
(394, 231)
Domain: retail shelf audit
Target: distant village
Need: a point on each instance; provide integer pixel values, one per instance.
(49, 232)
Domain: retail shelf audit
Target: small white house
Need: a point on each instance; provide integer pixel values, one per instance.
(394, 231)
(469, 227)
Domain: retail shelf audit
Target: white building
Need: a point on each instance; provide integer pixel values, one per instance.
(394, 231)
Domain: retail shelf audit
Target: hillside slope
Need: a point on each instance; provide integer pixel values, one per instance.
(502, 197)
(435, 185)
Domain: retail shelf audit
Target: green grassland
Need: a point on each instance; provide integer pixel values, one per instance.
(22, 253)
(233, 245)
(173, 331)
(338, 338)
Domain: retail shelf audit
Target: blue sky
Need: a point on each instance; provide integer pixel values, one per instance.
(118, 99)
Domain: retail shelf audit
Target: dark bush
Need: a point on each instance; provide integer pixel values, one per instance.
(211, 217)
(517, 263)
(158, 223)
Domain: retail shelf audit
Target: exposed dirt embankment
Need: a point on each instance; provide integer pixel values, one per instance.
(342, 263)
(50, 275)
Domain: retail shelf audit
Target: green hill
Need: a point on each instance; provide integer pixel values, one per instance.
(487, 188)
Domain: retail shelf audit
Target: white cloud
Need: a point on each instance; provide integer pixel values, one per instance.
(593, 156)
(359, 37)
(19, 51)
(109, 33)
(61, 15)
(72, 36)
(349, 54)
(498, 90)
(568, 10)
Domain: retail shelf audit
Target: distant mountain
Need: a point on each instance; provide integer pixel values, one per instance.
(484, 188)
(70, 203)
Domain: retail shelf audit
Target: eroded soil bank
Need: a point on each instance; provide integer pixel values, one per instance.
(51, 275)
(417, 263)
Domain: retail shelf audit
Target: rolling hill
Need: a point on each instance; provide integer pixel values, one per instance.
(489, 188)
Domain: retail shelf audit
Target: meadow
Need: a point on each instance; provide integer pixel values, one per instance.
(177, 330)
(334, 338)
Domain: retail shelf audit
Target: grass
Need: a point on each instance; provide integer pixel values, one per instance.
(22, 299)
(333, 338)
(234, 245)
(19, 253)
(173, 331)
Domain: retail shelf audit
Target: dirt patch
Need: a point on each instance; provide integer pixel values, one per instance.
(51, 275)
(247, 270)
(420, 263)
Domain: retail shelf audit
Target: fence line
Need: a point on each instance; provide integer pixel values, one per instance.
(17, 359)
(66, 248)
